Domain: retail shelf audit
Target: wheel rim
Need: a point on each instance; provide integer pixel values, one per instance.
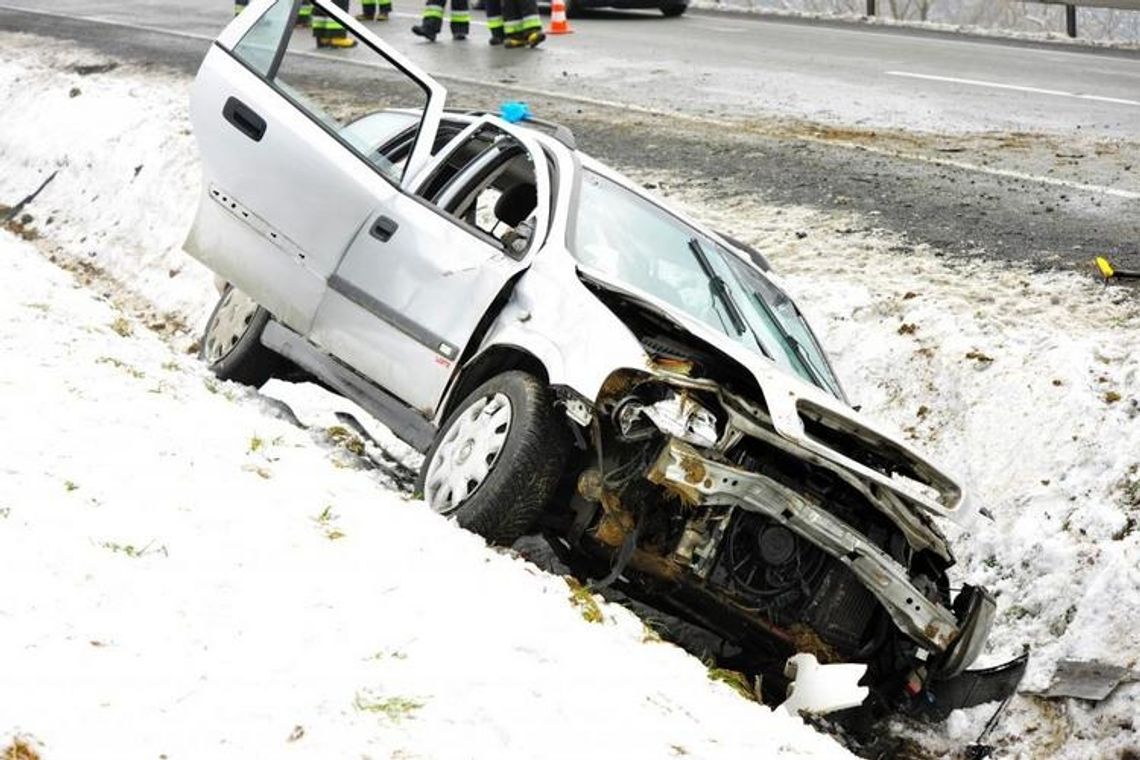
(468, 452)
(230, 322)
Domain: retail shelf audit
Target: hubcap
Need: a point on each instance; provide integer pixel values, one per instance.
(229, 324)
(468, 452)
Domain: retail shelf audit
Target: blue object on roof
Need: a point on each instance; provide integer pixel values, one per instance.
(515, 111)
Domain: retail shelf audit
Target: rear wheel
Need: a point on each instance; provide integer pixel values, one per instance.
(497, 459)
(671, 11)
(231, 342)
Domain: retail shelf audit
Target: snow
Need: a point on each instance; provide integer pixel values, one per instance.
(190, 575)
(1024, 385)
(242, 618)
(1010, 19)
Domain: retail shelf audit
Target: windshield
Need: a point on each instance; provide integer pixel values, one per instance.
(632, 241)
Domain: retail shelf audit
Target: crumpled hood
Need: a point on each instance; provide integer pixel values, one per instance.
(822, 426)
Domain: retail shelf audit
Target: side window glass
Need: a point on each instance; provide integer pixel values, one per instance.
(379, 120)
(259, 46)
(501, 202)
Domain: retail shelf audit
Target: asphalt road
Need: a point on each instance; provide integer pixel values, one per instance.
(737, 66)
(833, 116)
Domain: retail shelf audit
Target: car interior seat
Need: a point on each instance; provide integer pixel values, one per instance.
(512, 209)
(516, 204)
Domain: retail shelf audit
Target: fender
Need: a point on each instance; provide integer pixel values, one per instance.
(553, 317)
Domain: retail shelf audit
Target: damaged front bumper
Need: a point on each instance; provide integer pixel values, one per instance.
(701, 480)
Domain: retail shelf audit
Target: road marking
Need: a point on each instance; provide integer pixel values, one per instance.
(645, 110)
(721, 29)
(1016, 87)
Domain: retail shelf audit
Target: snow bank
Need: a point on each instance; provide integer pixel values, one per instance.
(186, 575)
(1025, 385)
(1023, 382)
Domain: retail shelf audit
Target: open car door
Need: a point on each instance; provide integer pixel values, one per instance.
(286, 186)
(422, 275)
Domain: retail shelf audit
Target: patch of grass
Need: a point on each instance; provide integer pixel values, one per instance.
(5, 512)
(20, 749)
(171, 366)
(347, 440)
(255, 443)
(138, 374)
(45, 308)
(325, 520)
(393, 654)
(122, 327)
(393, 708)
(734, 678)
(133, 551)
(581, 598)
(649, 635)
(70, 486)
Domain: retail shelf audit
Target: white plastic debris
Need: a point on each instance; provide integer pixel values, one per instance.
(822, 689)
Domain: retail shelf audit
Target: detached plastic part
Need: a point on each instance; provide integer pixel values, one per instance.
(971, 688)
(822, 689)
(514, 111)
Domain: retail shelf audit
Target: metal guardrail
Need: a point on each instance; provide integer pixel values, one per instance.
(1070, 9)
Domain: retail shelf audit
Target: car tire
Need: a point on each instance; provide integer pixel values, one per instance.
(497, 460)
(672, 11)
(231, 342)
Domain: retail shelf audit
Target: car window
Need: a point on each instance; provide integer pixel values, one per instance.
(631, 240)
(487, 184)
(258, 47)
(302, 77)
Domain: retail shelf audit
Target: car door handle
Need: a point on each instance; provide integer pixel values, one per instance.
(384, 228)
(244, 118)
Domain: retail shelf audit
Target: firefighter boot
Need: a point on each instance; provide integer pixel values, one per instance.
(421, 30)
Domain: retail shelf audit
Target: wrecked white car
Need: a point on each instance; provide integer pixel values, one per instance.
(575, 358)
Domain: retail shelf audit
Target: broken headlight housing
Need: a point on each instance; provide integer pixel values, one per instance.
(675, 414)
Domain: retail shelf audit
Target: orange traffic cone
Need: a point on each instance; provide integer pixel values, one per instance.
(558, 22)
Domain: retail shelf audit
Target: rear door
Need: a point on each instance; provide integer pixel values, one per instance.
(286, 184)
(420, 276)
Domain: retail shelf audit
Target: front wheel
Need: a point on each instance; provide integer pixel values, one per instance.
(671, 11)
(497, 459)
(231, 342)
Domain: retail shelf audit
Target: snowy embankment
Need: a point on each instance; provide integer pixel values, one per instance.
(187, 575)
(1025, 383)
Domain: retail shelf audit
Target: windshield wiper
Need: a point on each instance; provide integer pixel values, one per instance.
(818, 376)
(718, 287)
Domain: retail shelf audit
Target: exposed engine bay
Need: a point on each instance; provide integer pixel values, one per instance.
(686, 499)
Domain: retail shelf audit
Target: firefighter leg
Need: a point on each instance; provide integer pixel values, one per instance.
(432, 21)
(512, 24)
(460, 19)
(305, 14)
(367, 10)
(328, 31)
(529, 22)
(494, 10)
(383, 8)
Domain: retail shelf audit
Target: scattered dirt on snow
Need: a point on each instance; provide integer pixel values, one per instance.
(1023, 382)
(210, 578)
